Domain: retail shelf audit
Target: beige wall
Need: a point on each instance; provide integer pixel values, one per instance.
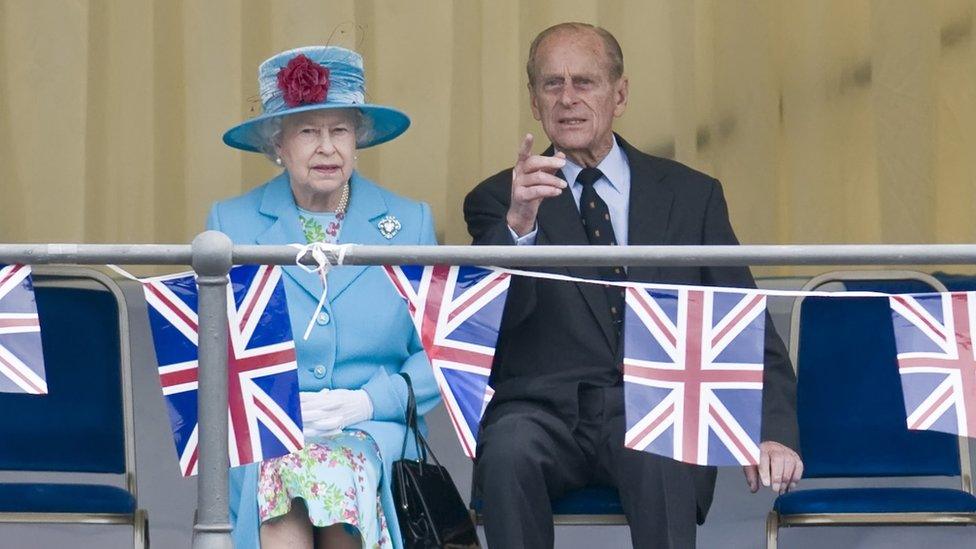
(827, 120)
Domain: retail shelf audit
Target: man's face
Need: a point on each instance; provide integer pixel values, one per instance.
(574, 97)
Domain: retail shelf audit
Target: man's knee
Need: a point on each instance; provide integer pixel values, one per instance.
(524, 447)
(512, 449)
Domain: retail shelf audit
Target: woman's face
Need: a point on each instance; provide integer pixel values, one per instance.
(318, 150)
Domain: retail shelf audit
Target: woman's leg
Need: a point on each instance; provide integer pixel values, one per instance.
(337, 537)
(290, 531)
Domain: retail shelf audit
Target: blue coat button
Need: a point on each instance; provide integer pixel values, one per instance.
(322, 319)
(319, 371)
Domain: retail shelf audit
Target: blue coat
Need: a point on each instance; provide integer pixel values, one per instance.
(364, 335)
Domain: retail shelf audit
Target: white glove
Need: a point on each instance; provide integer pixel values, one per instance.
(328, 411)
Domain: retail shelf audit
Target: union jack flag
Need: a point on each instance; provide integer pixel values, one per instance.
(457, 312)
(934, 340)
(21, 359)
(263, 404)
(693, 367)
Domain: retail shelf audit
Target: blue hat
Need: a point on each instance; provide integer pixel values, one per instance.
(315, 78)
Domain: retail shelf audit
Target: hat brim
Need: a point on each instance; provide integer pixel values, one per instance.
(385, 123)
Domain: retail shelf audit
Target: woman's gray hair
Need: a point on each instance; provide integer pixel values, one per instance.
(270, 130)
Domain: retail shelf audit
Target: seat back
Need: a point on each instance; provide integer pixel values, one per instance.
(781, 309)
(956, 282)
(85, 422)
(849, 401)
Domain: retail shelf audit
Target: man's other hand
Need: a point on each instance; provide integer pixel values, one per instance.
(779, 467)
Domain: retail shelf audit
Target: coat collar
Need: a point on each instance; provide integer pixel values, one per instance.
(366, 205)
(650, 205)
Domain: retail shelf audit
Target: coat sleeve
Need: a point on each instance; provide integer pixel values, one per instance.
(484, 212)
(389, 392)
(779, 422)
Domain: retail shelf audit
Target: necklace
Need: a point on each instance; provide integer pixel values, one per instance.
(343, 201)
(313, 229)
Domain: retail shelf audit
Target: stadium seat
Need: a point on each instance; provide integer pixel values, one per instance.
(84, 426)
(852, 417)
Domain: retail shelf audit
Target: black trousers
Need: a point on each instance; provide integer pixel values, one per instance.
(528, 454)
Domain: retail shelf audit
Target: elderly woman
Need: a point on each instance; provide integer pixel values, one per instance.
(336, 491)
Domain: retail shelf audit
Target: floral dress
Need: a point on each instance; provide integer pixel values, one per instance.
(337, 476)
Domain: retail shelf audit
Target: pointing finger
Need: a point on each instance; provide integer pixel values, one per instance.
(525, 149)
(548, 164)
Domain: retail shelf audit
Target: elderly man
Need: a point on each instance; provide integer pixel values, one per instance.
(556, 422)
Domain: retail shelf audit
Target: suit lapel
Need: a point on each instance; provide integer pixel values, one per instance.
(560, 225)
(650, 207)
(650, 212)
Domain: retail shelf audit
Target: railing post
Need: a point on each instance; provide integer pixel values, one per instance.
(211, 259)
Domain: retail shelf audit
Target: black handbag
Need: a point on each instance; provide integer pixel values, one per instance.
(428, 506)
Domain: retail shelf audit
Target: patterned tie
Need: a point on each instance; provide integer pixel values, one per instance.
(599, 231)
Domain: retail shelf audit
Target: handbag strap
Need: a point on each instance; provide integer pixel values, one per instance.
(411, 421)
(423, 449)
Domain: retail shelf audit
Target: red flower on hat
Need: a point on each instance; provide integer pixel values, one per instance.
(303, 81)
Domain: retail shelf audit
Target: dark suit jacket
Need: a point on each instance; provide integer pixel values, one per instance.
(555, 335)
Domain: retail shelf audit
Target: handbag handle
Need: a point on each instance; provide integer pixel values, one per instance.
(411, 420)
(423, 449)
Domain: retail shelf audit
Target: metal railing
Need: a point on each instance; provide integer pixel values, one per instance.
(212, 254)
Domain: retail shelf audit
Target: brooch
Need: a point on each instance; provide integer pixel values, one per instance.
(389, 226)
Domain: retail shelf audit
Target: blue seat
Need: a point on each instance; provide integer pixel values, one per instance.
(852, 416)
(593, 505)
(85, 423)
(65, 498)
(598, 502)
(875, 500)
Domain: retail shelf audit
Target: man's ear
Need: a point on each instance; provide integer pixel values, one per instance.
(621, 92)
(533, 102)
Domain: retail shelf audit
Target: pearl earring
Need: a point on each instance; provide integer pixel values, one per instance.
(278, 160)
